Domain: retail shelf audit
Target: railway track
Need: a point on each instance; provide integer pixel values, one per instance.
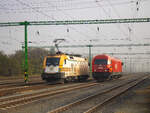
(13, 88)
(106, 96)
(17, 100)
(18, 81)
(10, 90)
(18, 78)
(5, 91)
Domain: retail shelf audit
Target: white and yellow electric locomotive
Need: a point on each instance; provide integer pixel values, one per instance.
(63, 67)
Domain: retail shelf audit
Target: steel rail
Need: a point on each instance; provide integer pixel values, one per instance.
(66, 107)
(129, 86)
(11, 90)
(16, 80)
(23, 99)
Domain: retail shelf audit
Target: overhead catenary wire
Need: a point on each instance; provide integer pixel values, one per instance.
(135, 15)
(46, 15)
(84, 34)
(114, 9)
(34, 9)
(22, 10)
(110, 17)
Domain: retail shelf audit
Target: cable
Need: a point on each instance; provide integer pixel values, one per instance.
(120, 17)
(35, 9)
(52, 10)
(109, 17)
(42, 13)
(73, 27)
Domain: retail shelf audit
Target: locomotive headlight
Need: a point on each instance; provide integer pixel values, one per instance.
(52, 69)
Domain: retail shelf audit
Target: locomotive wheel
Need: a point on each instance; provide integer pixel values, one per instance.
(79, 79)
(119, 75)
(85, 79)
(82, 79)
(65, 81)
(110, 77)
(47, 80)
(61, 82)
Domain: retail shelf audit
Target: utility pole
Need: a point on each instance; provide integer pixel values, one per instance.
(26, 52)
(23, 57)
(90, 60)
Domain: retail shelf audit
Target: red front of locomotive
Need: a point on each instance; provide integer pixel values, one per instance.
(104, 66)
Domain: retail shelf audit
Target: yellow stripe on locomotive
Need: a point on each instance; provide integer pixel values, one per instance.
(64, 67)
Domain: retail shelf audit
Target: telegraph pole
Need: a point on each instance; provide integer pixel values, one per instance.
(26, 52)
(90, 60)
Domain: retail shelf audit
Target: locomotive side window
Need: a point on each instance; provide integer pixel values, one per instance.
(52, 61)
(100, 61)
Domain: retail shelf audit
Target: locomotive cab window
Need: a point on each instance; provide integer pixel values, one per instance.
(52, 61)
(100, 61)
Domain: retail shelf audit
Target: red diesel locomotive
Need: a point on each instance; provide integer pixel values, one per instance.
(106, 67)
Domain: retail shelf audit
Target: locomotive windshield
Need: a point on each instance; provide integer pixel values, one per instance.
(100, 61)
(52, 61)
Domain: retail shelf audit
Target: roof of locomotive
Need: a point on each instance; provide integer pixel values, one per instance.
(101, 56)
(106, 57)
(68, 56)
